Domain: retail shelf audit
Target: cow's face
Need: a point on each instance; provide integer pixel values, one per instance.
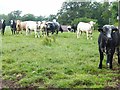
(11, 21)
(92, 23)
(107, 31)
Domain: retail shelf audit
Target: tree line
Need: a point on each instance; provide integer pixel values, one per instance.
(74, 12)
(102, 13)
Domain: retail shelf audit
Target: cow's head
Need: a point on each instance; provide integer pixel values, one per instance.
(106, 36)
(92, 23)
(11, 21)
(107, 31)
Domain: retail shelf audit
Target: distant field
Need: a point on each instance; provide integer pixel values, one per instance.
(59, 61)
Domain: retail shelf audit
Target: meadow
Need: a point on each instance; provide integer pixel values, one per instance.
(58, 61)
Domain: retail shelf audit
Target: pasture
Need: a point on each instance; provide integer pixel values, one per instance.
(59, 61)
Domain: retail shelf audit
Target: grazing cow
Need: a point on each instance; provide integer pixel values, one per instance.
(85, 27)
(32, 25)
(13, 26)
(108, 41)
(2, 26)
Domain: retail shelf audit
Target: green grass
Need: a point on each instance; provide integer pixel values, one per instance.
(59, 61)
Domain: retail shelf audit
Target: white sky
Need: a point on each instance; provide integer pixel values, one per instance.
(36, 7)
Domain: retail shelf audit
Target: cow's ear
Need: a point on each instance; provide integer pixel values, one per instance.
(114, 29)
(100, 30)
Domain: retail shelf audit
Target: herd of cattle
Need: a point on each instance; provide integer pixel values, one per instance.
(46, 27)
(108, 40)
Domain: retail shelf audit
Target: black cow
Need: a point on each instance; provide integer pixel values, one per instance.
(53, 27)
(13, 26)
(74, 27)
(108, 42)
(2, 26)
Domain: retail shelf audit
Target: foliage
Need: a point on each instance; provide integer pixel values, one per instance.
(104, 13)
(28, 17)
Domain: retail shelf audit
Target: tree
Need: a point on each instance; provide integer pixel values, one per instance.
(14, 15)
(28, 17)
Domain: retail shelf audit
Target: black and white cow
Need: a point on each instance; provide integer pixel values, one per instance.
(108, 42)
(72, 28)
(13, 26)
(53, 27)
(2, 26)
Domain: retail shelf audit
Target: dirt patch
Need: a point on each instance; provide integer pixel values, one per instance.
(9, 84)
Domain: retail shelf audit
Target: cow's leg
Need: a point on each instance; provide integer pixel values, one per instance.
(35, 33)
(52, 31)
(78, 33)
(108, 61)
(26, 31)
(101, 58)
(38, 34)
(3, 31)
(111, 57)
(29, 30)
(91, 35)
(57, 31)
(87, 34)
(12, 31)
(47, 32)
(118, 53)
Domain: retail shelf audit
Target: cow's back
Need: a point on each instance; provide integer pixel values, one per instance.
(31, 25)
(84, 26)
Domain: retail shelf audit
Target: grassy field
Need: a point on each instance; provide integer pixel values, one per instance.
(56, 62)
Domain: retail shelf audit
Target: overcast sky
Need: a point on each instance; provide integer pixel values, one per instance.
(36, 7)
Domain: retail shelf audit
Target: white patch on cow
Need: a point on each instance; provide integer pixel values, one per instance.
(11, 21)
(109, 31)
(2, 20)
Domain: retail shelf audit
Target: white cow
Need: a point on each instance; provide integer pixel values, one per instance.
(85, 27)
(32, 25)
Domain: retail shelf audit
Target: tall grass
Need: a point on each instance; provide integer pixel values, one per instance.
(59, 61)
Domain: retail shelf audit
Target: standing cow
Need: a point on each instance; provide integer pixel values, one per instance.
(108, 41)
(43, 27)
(13, 26)
(32, 25)
(2, 26)
(18, 26)
(85, 27)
